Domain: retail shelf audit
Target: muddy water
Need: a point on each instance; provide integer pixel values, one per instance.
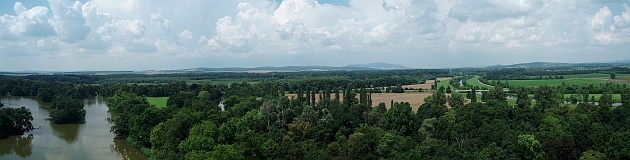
(91, 140)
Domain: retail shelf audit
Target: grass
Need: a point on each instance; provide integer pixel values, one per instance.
(581, 76)
(475, 83)
(159, 102)
(445, 82)
(580, 80)
(553, 82)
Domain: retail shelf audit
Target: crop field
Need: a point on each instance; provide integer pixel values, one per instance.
(553, 82)
(159, 102)
(579, 80)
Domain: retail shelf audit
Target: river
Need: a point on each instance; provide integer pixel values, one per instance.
(91, 140)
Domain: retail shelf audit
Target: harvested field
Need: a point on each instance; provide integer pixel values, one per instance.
(415, 99)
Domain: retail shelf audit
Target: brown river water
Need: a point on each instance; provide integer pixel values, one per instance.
(90, 140)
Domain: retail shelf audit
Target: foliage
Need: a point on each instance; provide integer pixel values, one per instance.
(15, 121)
(65, 110)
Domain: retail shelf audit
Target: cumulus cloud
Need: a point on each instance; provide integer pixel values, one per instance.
(162, 23)
(366, 30)
(27, 22)
(69, 20)
(490, 10)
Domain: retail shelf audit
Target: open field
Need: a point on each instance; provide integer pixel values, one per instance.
(475, 83)
(579, 80)
(414, 98)
(159, 102)
(444, 82)
(553, 82)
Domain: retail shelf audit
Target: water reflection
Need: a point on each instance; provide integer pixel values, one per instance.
(20, 145)
(90, 140)
(67, 132)
(125, 150)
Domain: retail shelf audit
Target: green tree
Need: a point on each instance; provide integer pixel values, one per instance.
(522, 99)
(456, 100)
(45, 94)
(142, 125)
(613, 75)
(399, 119)
(497, 94)
(167, 136)
(200, 139)
(65, 110)
(226, 152)
(625, 98)
(550, 128)
(126, 106)
(545, 97)
(619, 145)
(592, 155)
(530, 148)
(15, 121)
(606, 99)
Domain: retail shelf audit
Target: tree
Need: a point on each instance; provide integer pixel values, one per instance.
(142, 125)
(545, 98)
(619, 147)
(530, 148)
(606, 99)
(592, 155)
(230, 152)
(625, 98)
(15, 121)
(522, 99)
(497, 94)
(276, 112)
(65, 110)
(45, 94)
(399, 119)
(126, 106)
(613, 76)
(473, 95)
(200, 139)
(456, 100)
(167, 136)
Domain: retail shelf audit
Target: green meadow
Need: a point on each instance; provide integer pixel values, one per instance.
(159, 102)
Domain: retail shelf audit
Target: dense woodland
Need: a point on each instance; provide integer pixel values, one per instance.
(259, 122)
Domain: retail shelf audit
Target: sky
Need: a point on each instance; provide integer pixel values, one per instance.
(68, 35)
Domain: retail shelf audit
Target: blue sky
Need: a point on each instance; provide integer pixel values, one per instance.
(67, 35)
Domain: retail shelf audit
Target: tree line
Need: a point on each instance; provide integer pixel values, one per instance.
(345, 127)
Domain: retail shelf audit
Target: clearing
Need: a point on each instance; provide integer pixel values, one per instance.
(159, 102)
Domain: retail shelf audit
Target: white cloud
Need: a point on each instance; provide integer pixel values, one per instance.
(365, 30)
(601, 18)
(69, 20)
(491, 10)
(27, 22)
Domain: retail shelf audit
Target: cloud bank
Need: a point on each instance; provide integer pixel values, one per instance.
(161, 34)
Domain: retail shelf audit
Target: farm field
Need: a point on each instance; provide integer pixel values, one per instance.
(553, 82)
(579, 80)
(159, 102)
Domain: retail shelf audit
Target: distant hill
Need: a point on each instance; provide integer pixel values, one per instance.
(556, 65)
(380, 66)
(355, 67)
